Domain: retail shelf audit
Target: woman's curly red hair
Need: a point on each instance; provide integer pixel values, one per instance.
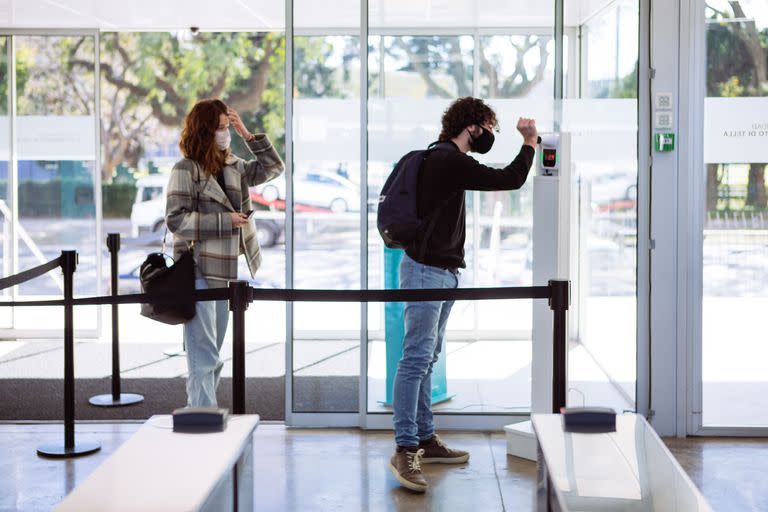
(198, 135)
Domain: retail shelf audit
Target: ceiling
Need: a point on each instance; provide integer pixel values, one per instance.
(258, 15)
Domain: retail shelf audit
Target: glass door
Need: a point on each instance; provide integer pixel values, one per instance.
(421, 58)
(326, 206)
(735, 216)
(600, 110)
(53, 182)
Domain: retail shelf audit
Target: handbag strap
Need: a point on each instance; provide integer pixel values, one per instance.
(190, 245)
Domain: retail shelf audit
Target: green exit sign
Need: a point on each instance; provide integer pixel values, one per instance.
(664, 142)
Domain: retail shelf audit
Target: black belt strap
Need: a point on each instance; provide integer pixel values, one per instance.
(23, 277)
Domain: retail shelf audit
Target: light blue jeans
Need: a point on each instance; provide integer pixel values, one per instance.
(424, 336)
(203, 338)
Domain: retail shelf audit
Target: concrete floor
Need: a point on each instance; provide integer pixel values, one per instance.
(346, 470)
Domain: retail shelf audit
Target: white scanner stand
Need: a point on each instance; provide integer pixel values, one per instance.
(551, 257)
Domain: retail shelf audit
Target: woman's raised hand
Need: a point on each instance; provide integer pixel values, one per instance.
(237, 124)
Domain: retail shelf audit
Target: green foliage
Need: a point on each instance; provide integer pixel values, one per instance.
(312, 77)
(22, 75)
(731, 88)
(730, 66)
(117, 199)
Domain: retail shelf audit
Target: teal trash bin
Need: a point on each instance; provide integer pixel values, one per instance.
(394, 330)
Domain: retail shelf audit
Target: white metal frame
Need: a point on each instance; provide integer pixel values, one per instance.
(690, 212)
(11, 34)
(643, 364)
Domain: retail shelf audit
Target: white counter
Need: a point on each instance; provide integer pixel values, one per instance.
(158, 469)
(627, 470)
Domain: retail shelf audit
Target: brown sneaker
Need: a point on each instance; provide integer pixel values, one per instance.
(436, 452)
(406, 466)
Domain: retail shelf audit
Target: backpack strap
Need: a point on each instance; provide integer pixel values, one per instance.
(434, 214)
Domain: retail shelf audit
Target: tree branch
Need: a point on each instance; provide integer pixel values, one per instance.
(748, 34)
(419, 66)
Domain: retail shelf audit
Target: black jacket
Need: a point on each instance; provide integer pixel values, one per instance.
(444, 176)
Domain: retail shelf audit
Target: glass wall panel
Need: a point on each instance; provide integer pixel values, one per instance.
(6, 258)
(327, 205)
(56, 148)
(414, 74)
(735, 266)
(600, 111)
(149, 82)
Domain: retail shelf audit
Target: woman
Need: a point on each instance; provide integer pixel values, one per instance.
(206, 209)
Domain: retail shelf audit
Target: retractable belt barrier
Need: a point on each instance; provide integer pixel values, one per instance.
(28, 275)
(240, 295)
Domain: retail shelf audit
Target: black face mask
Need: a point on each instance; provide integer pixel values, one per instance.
(483, 142)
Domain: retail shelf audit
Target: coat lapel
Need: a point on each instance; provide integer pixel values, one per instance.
(212, 189)
(233, 181)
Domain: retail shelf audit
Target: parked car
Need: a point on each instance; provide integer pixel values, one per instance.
(610, 187)
(148, 212)
(322, 189)
(627, 202)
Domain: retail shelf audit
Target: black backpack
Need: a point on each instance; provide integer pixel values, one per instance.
(398, 220)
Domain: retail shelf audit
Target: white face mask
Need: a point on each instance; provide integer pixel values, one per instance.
(223, 138)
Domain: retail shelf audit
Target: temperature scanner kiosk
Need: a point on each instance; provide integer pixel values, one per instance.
(551, 260)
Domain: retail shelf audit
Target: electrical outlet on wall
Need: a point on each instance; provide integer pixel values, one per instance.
(663, 121)
(663, 101)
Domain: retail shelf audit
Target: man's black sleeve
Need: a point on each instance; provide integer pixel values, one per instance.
(472, 175)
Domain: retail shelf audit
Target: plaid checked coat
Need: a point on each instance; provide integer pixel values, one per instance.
(208, 223)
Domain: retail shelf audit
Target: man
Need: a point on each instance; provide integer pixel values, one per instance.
(448, 171)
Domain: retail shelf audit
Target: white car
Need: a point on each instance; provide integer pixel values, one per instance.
(148, 212)
(322, 189)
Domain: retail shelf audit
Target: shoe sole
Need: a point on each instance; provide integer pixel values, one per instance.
(406, 483)
(444, 460)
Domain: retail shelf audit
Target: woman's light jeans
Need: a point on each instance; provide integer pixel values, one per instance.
(203, 338)
(424, 336)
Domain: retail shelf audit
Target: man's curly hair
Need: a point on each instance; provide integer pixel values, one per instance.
(465, 112)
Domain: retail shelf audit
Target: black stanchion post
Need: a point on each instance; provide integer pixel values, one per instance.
(239, 298)
(69, 448)
(116, 399)
(558, 303)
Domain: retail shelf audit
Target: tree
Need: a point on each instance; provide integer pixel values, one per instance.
(436, 58)
(22, 75)
(153, 78)
(737, 65)
(430, 57)
(522, 79)
(150, 80)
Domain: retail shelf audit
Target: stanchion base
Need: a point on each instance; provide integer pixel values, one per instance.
(59, 451)
(109, 401)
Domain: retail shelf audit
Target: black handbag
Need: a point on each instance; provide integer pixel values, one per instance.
(178, 279)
